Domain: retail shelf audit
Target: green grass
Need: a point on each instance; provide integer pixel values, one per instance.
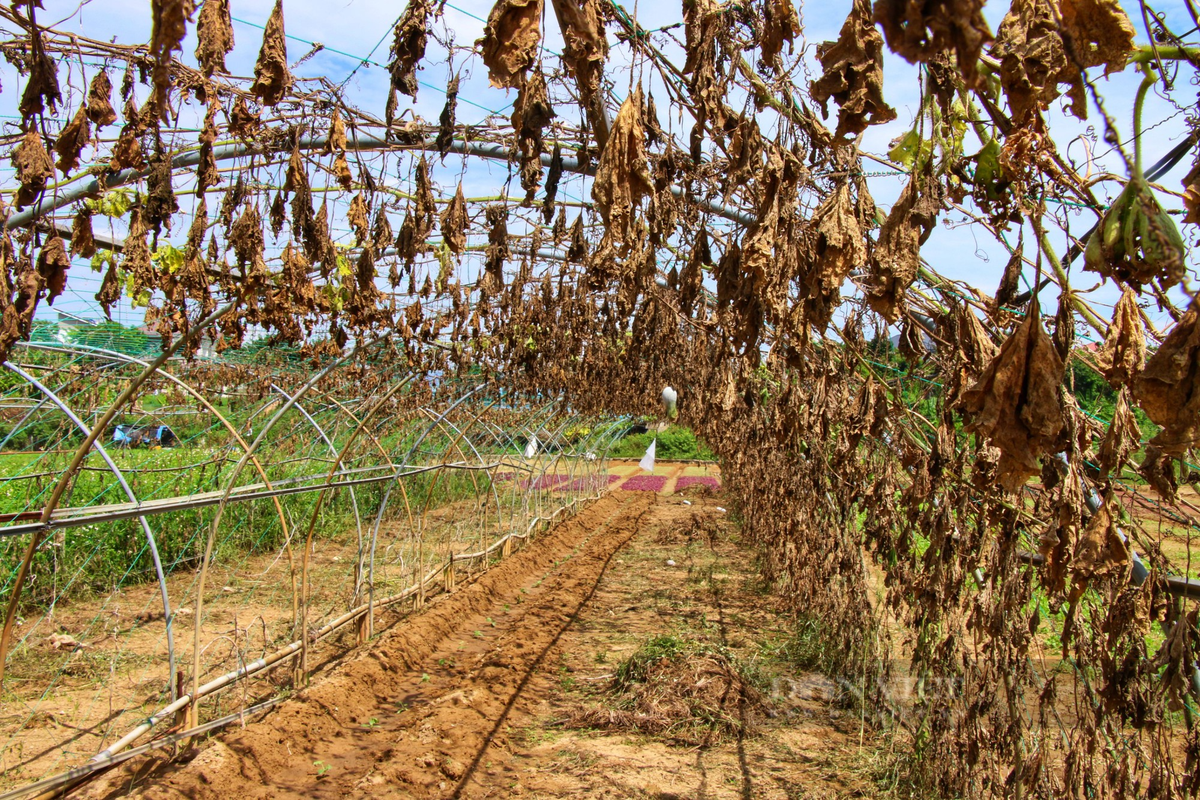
(675, 442)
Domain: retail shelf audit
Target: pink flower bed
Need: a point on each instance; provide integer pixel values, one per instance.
(544, 482)
(588, 483)
(697, 480)
(614, 478)
(645, 483)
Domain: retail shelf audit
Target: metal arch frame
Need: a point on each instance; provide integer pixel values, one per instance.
(388, 459)
(383, 503)
(312, 525)
(76, 462)
(198, 623)
(210, 408)
(556, 439)
(333, 449)
(460, 434)
(112, 465)
(442, 420)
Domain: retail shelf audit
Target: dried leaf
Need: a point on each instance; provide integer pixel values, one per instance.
(1158, 470)
(577, 250)
(337, 133)
(71, 141)
(18, 317)
(1099, 33)
(623, 176)
(838, 246)
(359, 218)
(446, 121)
(42, 87)
(585, 47)
(127, 151)
(454, 223)
(242, 121)
(853, 75)
(974, 350)
(1191, 194)
(160, 202)
(552, 177)
(1121, 440)
(33, 167)
(1101, 550)
(1006, 293)
(896, 258)
(246, 236)
(169, 19)
(1033, 60)
(53, 263)
(99, 101)
(135, 255)
(381, 231)
(510, 41)
(1168, 389)
(1015, 404)
(919, 30)
(691, 280)
(83, 244)
(1124, 351)
(272, 80)
(497, 249)
(781, 24)
(214, 35)
(341, 171)
(408, 47)
(532, 112)
(207, 175)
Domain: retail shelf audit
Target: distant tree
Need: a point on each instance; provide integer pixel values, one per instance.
(111, 335)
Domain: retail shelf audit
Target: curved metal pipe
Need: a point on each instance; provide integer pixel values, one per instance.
(150, 540)
(76, 463)
(208, 406)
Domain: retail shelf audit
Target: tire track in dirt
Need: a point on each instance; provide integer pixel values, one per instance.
(414, 713)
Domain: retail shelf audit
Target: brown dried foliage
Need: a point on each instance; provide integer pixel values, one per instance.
(919, 30)
(854, 75)
(510, 41)
(585, 47)
(896, 257)
(1168, 389)
(214, 36)
(33, 166)
(623, 176)
(1015, 404)
(272, 80)
(169, 19)
(408, 47)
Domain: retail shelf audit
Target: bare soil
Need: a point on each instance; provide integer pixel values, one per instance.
(474, 695)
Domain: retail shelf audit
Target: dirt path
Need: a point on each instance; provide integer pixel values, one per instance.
(469, 698)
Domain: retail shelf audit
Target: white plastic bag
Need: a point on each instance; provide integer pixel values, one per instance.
(647, 462)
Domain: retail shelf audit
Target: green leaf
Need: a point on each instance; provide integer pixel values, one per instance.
(102, 259)
(988, 175)
(905, 148)
(114, 204)
(168, 257)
